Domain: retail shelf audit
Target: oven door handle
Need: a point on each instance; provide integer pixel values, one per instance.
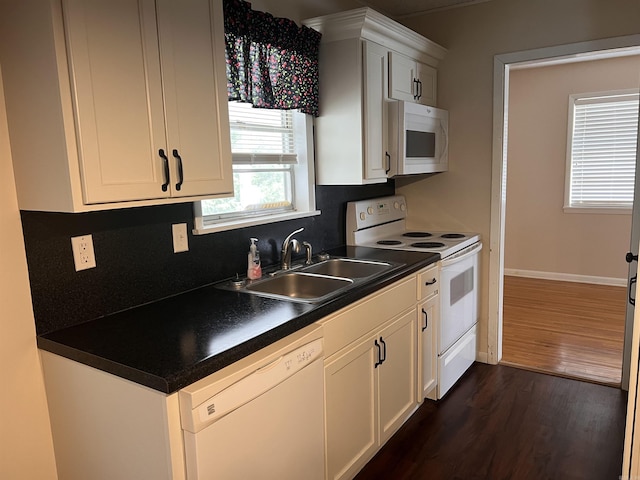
(462, 254)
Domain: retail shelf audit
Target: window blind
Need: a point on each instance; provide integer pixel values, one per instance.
(603, 151)
(261, 136)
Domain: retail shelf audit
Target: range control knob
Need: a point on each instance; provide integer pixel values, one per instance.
(396, 205)
(362, 216)
(370, 210)
(403, 207)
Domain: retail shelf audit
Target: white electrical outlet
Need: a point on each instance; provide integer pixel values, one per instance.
(180, 239)
(83, 255)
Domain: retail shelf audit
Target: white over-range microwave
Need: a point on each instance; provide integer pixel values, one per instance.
(418, 139)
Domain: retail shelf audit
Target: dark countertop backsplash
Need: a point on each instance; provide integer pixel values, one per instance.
(135, 260)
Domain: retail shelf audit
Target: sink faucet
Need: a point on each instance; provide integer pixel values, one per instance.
(290, 244)
(307, 247)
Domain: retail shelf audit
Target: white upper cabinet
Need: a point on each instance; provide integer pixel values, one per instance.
(376, 136)
(117, 95)
(350, 133)
(195, 95)
(357, 82)
(411, 80)
(134, 112)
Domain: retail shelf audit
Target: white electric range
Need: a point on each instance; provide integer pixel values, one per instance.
(381, 223)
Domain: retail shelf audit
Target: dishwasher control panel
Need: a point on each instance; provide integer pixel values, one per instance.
(258, 382)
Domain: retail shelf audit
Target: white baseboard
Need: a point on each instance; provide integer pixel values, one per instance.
(567, 277)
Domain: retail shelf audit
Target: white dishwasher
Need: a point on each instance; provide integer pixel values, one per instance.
(262, 417)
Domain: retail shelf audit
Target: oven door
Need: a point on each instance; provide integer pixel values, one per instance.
(458, 296)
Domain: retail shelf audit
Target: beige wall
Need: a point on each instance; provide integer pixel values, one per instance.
(26, 448)
(539, 236)
(300, 9)
(461, 198)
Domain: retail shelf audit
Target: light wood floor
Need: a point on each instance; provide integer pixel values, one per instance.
(569, 329)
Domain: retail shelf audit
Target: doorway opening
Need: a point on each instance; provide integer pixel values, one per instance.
(504, 67)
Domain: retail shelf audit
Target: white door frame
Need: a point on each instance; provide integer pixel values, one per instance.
(631, 453)
(502, 64)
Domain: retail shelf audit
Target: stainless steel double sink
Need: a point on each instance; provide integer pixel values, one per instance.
(314, 283)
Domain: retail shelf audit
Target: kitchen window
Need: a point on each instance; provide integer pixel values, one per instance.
(272, 85)
(273, 178)
(601, 152)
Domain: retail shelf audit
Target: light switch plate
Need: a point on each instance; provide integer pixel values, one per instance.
(83, 254)
(180, 239)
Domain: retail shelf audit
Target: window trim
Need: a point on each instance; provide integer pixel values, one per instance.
(303, 188)
(567, 207)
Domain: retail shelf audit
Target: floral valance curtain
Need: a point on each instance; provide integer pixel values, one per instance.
(271, 62)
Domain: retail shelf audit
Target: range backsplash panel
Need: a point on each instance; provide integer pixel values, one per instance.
(135, 260)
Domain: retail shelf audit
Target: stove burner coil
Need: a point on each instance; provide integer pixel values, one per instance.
(453, 235)
(389, 242)
(417, 234)
(427, 244)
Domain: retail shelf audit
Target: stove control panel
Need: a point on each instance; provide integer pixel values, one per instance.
(375, 211)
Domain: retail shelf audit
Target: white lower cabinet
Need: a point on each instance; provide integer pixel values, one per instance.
(105, 427)
(370, 392)
(375, 354)
(370, 376)
(428, 311)
(350, 410)
(396, 375)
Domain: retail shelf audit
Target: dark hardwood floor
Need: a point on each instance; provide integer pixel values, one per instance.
(501, 422)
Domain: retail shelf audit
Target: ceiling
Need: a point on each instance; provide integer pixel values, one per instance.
(409, 8)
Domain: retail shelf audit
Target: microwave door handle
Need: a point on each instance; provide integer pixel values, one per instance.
(388, 157)
(419, 89)
(446, 140)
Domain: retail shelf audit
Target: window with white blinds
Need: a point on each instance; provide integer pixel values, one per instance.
(261, 136)
(272, 152)
(601, 151)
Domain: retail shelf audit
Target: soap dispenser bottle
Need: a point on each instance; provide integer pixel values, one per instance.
(254, 270)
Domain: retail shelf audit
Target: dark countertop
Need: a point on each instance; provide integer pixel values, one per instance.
(171, 343)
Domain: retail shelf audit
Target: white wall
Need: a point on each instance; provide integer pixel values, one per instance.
(461, 198)
(539, 235)
(26, 450)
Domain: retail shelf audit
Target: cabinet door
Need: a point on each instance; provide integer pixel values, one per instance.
(350, 409)
(376, 156)
(403, 77)
(428, 84)
(428, 313)
(195, 94)
(411, 80)
(115, 73)
(397, 374)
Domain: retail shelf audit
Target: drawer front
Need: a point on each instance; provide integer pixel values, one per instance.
(354, 321)
(429, 281)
